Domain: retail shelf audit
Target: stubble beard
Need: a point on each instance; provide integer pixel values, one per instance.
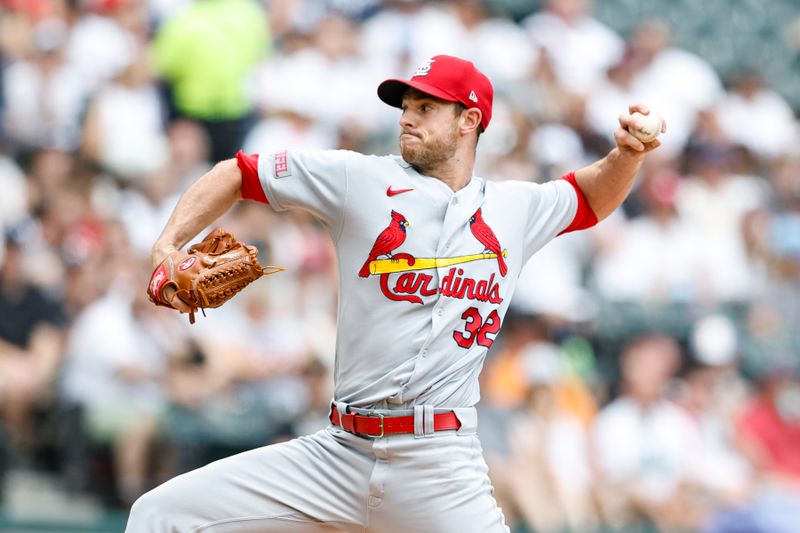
(427, 157)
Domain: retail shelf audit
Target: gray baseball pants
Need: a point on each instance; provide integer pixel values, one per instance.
(413, 483)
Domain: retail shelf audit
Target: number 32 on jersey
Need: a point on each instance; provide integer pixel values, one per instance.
(476, 329)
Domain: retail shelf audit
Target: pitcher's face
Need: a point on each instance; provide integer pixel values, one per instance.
(428, 130)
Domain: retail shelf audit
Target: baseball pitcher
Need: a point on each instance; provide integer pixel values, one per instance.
(428, 255)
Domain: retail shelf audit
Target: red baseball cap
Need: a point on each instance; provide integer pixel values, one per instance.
(448, 78)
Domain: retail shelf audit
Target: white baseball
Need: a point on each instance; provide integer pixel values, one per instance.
(650, 126)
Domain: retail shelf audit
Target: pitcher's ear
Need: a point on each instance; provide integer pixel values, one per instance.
(471, 119)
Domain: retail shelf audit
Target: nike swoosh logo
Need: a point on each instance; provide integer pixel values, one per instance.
(390, 192)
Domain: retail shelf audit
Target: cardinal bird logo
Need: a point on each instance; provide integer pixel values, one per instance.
(389, 239)
(487, 238)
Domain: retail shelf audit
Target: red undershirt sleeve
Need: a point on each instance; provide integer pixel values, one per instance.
(251, 185)
(585, 216)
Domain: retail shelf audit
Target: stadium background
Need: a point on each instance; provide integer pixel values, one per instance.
(647, 377)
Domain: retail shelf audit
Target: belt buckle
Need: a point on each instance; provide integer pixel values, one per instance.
(383, 429)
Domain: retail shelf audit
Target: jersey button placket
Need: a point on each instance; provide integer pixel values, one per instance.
(438, 308)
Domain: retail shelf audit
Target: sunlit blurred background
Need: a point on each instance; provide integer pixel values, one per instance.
(647, 375)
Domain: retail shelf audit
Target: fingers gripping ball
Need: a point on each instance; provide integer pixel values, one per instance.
(212, 273)
(649, 126)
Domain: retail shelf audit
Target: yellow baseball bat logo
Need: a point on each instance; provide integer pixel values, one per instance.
(390, 266)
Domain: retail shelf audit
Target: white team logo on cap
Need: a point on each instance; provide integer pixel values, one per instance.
(473, 96)
(424, 68)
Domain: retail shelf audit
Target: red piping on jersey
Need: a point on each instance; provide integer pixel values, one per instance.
(251, 185)
(585, 216)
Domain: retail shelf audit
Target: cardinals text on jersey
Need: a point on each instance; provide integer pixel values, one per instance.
(412, 283)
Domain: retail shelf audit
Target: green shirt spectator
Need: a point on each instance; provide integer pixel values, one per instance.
(206, 53)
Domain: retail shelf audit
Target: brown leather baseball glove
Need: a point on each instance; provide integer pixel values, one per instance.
(213, 271)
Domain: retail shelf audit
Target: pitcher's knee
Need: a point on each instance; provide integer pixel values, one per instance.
(152, 513)
(143, 515)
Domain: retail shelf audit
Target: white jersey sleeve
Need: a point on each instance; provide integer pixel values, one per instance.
(312, 180)
(552, 209)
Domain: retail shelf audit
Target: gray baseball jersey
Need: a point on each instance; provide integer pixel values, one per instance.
(426, 275)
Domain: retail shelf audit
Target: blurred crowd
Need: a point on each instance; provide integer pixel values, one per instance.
(648, 375)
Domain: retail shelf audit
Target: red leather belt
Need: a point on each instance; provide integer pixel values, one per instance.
(379, 425)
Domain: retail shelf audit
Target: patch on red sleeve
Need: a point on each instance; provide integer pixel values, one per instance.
(282, 169)
(251, 185)
(585, 216)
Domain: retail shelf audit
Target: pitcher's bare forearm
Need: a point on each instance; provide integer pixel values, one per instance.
(205, 201)
(607, 182)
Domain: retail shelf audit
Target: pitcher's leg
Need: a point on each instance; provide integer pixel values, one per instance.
(437, 485)
(296, 486)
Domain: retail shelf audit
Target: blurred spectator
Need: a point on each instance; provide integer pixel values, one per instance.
(770, 428)
(257, 344)
(406, 32)
(496, 42)
(15, 36)
(504, 382)
(164, 9)
(644, 445)
(31, 329)
(124, 128)
(778, 237)
(534, 415)
(247, 387)
(558, 148)
(293, 113)
(714, 394)
(45, 95)
(612, 92)
(2, 94)
(318, 383)
(755, 116)
(550, 478)
(144, 206)
(33, 9)
(120, 25)
(579, 47)
(115, 365)
(504, 149)
(503, 389)
(189, 156)
(205, 53)
(714, 201)
(63, 235)
(655, 257)
(14, 201)
(292, 21)
(552, 283)
(294, 129)
(672, 80)
(769, 431)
